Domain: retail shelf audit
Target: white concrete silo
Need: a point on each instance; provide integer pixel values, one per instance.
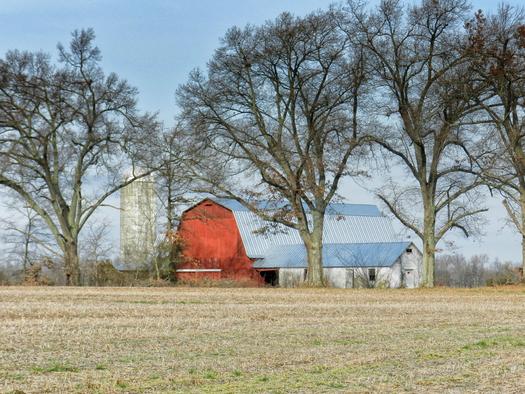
(137, 222)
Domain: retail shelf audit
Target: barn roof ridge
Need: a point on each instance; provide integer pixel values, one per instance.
(407, 242)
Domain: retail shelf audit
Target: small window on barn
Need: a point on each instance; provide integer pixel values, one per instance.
(372, 274)
(409, 250)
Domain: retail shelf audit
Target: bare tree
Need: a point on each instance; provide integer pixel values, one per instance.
(419, 66)
(279, 111)
(26, 235)
(498, 44)
(173, 180)
(372, 277)
(66, 131)
(456, 271)
(96, 246)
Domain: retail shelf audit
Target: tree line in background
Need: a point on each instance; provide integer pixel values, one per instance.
(455, 270)
(430, 94)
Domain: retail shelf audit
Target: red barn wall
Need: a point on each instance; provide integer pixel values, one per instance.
(212, 240)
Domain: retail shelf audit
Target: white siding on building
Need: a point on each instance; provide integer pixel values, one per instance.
(405, 272)
(412, 267)
(339, 277)
(291, 277)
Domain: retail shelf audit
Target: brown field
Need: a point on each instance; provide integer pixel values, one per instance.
(261, 340)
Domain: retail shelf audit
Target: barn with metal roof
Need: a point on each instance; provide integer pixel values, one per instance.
(224, 239)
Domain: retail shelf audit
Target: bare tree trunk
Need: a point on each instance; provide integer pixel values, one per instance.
(523, 251)
(522, 207)
(429, 261)
(27, 242)
(314, 252)
(157, 271)
(314, 276)
(429, 247)
(72, 263)
(170, 208)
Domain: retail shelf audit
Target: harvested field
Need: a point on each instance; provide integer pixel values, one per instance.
(261, 340)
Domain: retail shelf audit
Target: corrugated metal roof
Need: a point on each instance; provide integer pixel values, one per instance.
(351, 255)
(258, 235)
(344, 224)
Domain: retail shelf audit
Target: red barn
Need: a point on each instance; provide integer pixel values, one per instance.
(213, 245)
(222, 239)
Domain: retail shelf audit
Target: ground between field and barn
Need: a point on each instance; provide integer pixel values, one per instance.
(261, 340)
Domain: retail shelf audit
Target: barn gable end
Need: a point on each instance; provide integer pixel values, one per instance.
(212, 245)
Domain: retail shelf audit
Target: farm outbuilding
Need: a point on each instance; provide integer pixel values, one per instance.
(225, 240)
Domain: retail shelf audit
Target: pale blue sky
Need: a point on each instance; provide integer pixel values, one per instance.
(156, 43)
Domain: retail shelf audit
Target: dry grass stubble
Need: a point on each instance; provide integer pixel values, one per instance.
(261, 340)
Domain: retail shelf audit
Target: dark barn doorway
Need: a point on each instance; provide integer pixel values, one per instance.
(271, 277)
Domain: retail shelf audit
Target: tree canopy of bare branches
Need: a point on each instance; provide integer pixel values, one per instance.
(498, 46)
(419, 67)
(26, 235)
(173, 180)
(66, 130)
(278, 115)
